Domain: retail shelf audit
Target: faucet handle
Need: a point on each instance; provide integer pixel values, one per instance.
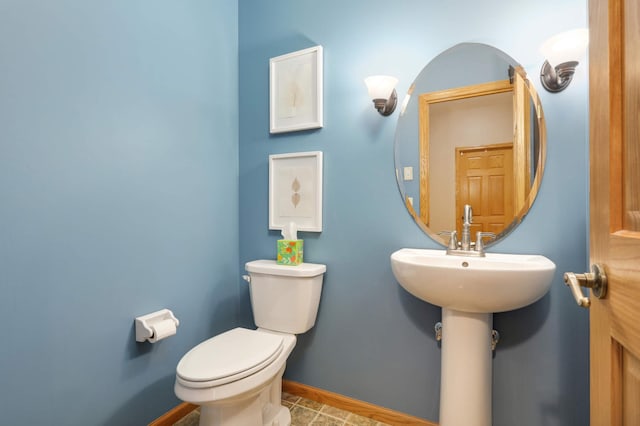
(453, 239)
(480, 236)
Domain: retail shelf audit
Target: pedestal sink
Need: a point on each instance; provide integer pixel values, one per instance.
(470, 289)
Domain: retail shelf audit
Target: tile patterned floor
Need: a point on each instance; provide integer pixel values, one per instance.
(305, 412)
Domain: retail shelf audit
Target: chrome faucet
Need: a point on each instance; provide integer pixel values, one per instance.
(464, 246)
(467, 218)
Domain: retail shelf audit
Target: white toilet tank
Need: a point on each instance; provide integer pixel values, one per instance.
(285, 298)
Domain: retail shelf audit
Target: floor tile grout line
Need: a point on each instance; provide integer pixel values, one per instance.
(320, 412)
(316, 416)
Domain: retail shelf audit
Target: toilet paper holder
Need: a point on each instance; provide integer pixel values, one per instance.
(147, 325)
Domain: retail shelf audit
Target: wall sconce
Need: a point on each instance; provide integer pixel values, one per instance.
(562, 52)
(383, 93)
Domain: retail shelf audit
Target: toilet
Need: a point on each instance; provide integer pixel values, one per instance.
(236, 376)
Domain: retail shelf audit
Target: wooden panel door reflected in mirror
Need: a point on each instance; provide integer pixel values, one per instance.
(484, 180)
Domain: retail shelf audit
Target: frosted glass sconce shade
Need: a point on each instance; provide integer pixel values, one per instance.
(562, 53)
(382, 90)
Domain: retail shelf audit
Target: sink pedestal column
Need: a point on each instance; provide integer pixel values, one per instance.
(466, 373)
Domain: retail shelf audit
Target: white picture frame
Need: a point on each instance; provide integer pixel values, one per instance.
(295, 91)
(295, 190)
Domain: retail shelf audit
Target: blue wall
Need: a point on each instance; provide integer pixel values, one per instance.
(372, 340)
(118, 197)
(122, 192)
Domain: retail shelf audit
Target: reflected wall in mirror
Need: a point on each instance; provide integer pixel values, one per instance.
(471, 132)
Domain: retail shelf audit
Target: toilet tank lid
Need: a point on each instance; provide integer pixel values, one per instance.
(270, 267)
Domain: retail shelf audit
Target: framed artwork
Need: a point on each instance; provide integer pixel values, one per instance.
(295, 190)
(295, 91)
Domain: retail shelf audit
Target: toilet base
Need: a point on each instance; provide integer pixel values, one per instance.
(255, 400)
(247, 413)
(263, 408)
(282, 417)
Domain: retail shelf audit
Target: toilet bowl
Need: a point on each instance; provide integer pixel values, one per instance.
(236, 376)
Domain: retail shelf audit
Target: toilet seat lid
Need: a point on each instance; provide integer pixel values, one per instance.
(230, 356)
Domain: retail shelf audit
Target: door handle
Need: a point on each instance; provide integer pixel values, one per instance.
(596, 280)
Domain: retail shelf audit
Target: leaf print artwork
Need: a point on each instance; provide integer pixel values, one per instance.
(295, 186)
(295, 191)
(295, 199)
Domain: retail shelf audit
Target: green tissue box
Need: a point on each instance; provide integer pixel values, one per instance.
(290, 252)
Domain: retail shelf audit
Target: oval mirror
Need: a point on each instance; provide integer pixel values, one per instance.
(471, 131)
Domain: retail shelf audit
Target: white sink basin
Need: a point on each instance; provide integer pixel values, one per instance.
(494, 283)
